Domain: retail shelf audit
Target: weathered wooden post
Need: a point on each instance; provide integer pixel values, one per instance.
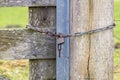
(102, 47)
(92, 54)
(44, 17)
(79, 46)
(29, 44)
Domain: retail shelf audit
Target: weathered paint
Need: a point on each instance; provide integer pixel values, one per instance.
(63, 21)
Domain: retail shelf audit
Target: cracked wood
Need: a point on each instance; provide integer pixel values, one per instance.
(91, 55)
(102, 47)
(79, 46)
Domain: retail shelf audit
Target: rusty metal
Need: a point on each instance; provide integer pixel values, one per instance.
(60, 41)
(59, 49)
(60, 36)
(53, 34)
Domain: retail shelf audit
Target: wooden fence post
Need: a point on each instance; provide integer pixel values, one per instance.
(91, 55)
(43, 69)
(79, 46)
(27, 44)
(102, 47)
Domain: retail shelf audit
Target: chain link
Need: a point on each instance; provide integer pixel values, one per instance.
(45, 31)
(60, 36)
(95, 31)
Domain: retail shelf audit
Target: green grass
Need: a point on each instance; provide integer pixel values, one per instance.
(116, 9)
(13, 16)
(117, 40)
(117, 56)
(17, 16)
(14, 70)
(117, 17)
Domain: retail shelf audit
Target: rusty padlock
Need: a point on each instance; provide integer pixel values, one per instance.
(60, 41)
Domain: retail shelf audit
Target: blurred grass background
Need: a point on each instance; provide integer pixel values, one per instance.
(17, 17)
(14, 17)
(14, 70)
(117, 40)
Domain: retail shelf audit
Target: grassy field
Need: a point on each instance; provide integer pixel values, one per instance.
(18, 17)
(117, 40)
(14, 70)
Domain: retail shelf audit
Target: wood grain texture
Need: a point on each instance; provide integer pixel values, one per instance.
(45, 69)
(10, 3)
(102, 48)
(41, 17)
(26, 44)
(91, 55)
(79, 46)
(63, 25)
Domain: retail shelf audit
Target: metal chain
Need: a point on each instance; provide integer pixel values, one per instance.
(45, 31)
(95, 31)
(60, 36)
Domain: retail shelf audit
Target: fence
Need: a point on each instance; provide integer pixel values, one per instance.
(80, 57)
